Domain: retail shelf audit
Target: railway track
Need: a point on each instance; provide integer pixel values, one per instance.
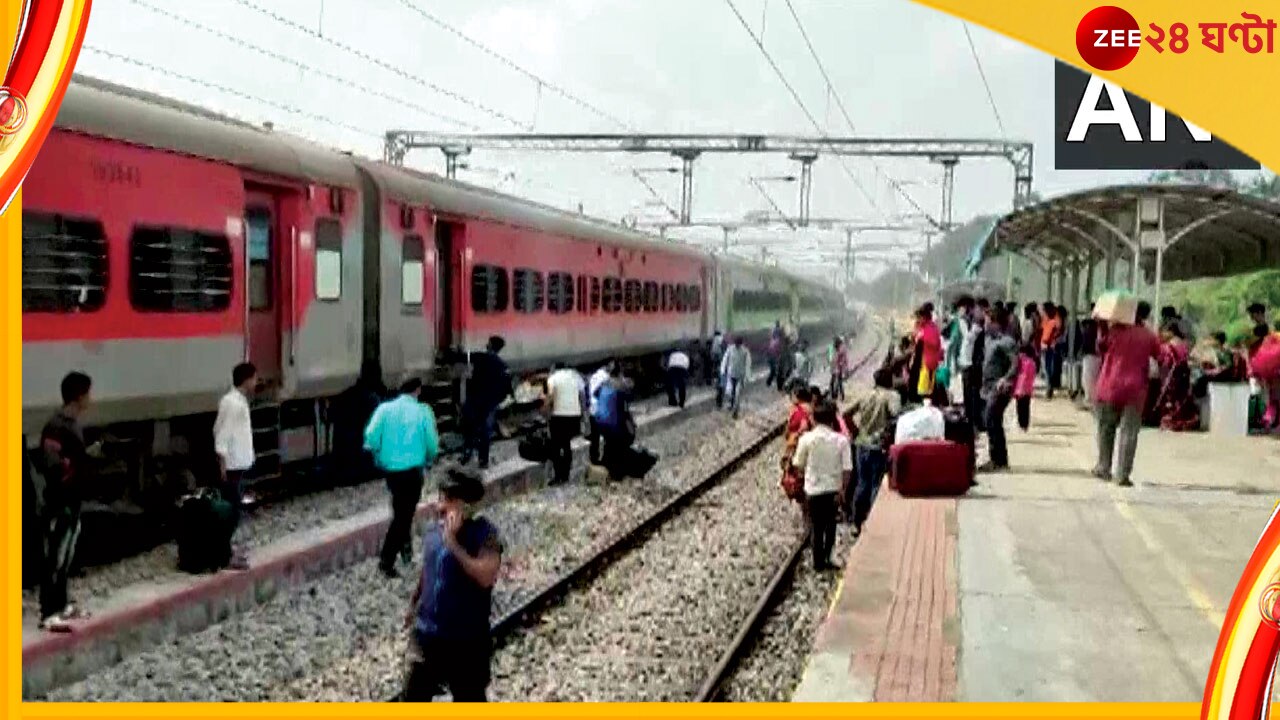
(527, 613)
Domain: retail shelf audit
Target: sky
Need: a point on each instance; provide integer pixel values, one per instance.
(342, 72)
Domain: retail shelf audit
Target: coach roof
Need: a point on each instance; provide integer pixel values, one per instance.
(450, 197)
(105, 109)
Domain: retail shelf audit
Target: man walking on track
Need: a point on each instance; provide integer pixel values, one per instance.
(598, 379)
(564, 403)
(488, 386)
(677, 378)
(402, 437)
(825, 461)
(62, 460)
(870, 412)
(1127, 352)
(735, 369)
(450, 645)
(233, 442)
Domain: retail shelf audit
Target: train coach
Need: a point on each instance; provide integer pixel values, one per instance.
(163, 244)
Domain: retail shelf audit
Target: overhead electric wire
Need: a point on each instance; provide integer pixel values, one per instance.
(279, 57)
(799, 100)
(553, 87)
(831, 89)
(475, 104)
(991, 98)
(290, 109)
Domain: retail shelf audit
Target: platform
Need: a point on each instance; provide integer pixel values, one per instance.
(1045, 584)
(148, 613)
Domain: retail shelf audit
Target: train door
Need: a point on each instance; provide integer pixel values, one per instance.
(708, 293)
(262, 284)
(447, 268)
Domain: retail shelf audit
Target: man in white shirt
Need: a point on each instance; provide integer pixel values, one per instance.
(823, 458)
(564, 406)
(734, 371)
(677, 377)
(598, 378)
(233, 442)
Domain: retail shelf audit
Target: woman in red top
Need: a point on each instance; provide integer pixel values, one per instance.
(928, 341)
(798, 423)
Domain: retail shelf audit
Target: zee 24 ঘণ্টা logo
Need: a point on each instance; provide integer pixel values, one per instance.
(1100, 126)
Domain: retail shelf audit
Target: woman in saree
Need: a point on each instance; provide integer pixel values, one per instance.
(1176, 404)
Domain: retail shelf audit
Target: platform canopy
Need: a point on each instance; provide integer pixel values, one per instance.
(1173, 231)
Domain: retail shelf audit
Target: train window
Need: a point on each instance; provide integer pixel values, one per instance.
(651, 301)
(258, 244)
(179, 270)
(530, 291)
(695, 298)
(328, 259)
(582, 294)
(560, 293)
(632, 296)
(668, 297)
(64, 264)
(488, 289)
(612, 298)
(595, 294)
(413, 271)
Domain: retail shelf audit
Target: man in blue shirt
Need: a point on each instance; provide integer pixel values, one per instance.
(450, 646)
(402, 437)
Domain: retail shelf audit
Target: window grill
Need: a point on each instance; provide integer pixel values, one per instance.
(64, 264)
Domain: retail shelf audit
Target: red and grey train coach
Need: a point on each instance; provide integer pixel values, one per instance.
(163, 244)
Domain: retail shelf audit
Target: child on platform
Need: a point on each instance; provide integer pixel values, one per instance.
(1024, 385)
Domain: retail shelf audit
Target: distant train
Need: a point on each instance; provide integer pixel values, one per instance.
(162, 244)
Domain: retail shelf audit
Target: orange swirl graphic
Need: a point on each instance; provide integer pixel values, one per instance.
(1244, 663)
(50, 33)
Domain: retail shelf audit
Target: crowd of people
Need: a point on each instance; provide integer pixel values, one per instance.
(835, 457)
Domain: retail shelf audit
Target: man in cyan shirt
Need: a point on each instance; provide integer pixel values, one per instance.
(402, 437)
(1127, 352)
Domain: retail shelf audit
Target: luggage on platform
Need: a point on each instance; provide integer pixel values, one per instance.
(206, 523)
(640, 460)
(930, 468)
(1117, 306)
(958, 429)
(535, 447)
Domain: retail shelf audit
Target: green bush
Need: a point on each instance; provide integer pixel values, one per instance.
(1219, 303)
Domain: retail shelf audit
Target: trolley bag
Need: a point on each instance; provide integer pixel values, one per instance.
(535, 447)
(925, 468)
(958, 429)
(640, 460)
(205, 526)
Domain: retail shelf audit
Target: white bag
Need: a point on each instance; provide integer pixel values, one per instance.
(924, 423)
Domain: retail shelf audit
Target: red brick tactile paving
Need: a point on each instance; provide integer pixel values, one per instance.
(895, 616)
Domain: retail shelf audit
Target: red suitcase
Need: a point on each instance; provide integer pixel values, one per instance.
(925, 468)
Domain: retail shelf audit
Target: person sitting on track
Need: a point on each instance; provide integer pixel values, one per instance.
(450, 645)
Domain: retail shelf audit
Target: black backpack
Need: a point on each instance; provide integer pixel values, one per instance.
(206, 522)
